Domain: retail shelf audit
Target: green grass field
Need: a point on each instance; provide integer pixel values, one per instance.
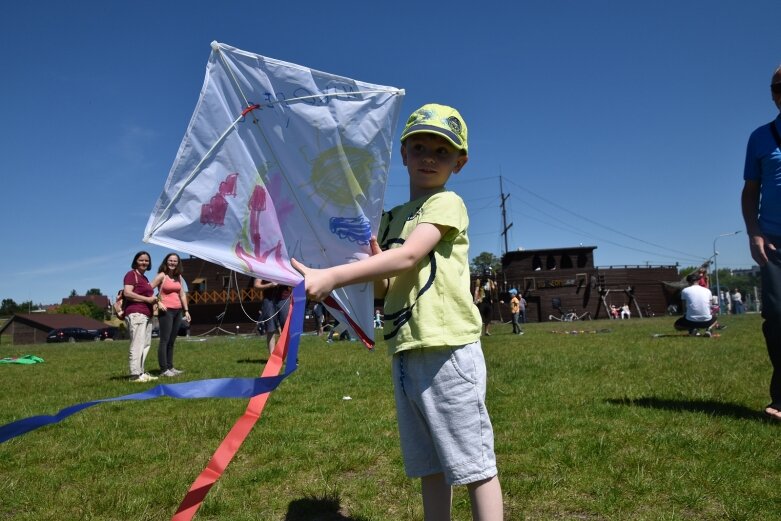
(611, 425)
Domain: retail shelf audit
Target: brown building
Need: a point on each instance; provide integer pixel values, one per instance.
(220, 299)
(553, 281)
(557, 281)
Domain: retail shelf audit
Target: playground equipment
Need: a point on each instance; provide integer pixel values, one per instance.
(569, 316)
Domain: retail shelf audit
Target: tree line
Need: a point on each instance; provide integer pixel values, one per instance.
(87, 308)
(728, 280)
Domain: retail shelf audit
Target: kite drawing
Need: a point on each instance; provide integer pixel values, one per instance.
(280, 160)
(213, 212)
(355, 229)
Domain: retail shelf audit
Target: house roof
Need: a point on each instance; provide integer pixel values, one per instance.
(49, 321)
(558, 249)
(102, 301)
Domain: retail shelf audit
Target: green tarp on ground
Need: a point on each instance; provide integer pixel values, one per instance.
(25, 360)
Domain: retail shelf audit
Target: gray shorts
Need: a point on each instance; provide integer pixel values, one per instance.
(443, 422)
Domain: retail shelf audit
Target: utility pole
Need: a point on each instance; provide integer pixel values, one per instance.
(505, 226)
(716, 265)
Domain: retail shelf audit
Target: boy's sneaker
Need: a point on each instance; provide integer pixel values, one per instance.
(167, 373)
(175, 371)
(708, 333)
(694, 332)
(149, 377)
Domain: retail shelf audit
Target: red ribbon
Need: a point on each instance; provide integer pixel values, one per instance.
(233, 440)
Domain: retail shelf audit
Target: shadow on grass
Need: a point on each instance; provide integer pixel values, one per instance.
(325, 508)
(712, 407)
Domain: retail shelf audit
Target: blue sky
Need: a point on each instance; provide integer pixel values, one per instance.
(615, 124)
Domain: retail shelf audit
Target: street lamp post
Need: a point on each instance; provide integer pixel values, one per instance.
(716, 265)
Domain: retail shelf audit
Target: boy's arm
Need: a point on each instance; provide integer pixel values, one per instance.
(383, 265)
(380, 285)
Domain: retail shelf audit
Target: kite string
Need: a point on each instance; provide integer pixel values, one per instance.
(262, 321)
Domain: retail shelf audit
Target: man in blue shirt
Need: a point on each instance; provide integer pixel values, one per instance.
(761, 205)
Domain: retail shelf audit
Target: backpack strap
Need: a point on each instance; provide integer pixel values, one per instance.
(776, 136)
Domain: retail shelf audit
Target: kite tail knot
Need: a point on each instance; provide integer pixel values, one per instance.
(249, 109)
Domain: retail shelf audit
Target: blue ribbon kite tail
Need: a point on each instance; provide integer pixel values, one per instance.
(211, 388)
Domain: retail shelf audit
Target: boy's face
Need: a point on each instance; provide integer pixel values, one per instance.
(430, 159)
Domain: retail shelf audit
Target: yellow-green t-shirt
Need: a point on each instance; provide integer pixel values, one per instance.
(430, 305)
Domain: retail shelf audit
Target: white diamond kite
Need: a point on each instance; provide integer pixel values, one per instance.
(280, 161)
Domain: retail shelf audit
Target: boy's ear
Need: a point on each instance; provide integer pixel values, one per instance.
(462, 160)
(404, 154)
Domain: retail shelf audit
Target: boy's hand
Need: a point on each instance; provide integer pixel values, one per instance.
(375, 246)
(318, 283)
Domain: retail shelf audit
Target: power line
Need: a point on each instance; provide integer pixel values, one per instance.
(602, 239)
(579, 216)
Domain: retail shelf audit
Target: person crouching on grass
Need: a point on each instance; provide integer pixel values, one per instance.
(420, 265)
(697, 305)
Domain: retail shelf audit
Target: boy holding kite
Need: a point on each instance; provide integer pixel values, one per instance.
(420, 265)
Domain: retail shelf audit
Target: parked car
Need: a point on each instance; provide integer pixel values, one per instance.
(184, 328)
(72, 334)
(108, 333)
